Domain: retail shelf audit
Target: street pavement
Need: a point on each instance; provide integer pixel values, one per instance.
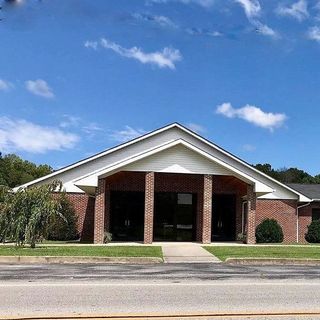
(40, 290)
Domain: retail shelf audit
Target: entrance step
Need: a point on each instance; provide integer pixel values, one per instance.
(187, 253)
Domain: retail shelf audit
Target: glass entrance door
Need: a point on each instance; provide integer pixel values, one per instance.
(174, 216)
(223, 217)
(126, 215)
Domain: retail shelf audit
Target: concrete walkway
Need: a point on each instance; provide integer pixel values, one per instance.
(187, 253)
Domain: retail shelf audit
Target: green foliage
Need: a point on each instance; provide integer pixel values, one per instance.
(14, 171)
(24, 215)
(107, 237)
(313, 233)
(63, 228)
(285, 175)
(269, 231)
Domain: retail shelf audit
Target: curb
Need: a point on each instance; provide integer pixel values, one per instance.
(272, 261)
(79, 259)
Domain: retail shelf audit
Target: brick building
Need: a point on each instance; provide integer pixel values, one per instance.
(173, 185)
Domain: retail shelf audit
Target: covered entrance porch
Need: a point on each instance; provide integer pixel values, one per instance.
(154, 206)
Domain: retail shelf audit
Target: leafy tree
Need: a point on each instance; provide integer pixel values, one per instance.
(15, 171)
(63, 228)
(24, 215)
(288, 175)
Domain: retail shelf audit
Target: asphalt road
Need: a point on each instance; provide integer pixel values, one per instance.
(158, 289)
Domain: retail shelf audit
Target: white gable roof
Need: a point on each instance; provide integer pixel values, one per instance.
(173, 148)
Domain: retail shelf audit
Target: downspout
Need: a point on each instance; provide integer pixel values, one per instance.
(299, 207)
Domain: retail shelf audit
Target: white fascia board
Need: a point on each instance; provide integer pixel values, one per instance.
(93, 177)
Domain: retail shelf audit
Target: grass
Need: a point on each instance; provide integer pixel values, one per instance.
(101, 251)
(224, 252)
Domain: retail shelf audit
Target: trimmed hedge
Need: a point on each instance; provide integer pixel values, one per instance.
(313, 233)
(269, 231)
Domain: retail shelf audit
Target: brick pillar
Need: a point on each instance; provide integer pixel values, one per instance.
(148, 208)
(207, 208)
(251, 215)
(99, 212)
(107, 208)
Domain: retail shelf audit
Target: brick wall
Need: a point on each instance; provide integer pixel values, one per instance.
(84, 208)
(99, 212)
(252, 217)
(305, 218)
(284, 211)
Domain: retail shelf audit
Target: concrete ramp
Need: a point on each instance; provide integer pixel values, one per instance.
(187, 253)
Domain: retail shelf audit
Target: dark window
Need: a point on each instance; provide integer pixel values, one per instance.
(315, 214)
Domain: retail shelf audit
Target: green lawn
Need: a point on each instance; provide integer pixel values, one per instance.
(224, 252)
(99, 251)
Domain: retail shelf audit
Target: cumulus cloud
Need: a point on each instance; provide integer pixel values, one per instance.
(314, 34)
(264, 29)
(126, 134)
(298, 10)
(162, 21)
(202, 3)
(22, 135)
(254, 115)
(5, 85)
(163, 59)
(39, 87)
(252, 8)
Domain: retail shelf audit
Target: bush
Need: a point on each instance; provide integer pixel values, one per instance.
(269, 231)
(313, 233)
(64, 227)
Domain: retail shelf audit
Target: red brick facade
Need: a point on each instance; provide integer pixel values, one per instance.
(284, 211)
(94, 213)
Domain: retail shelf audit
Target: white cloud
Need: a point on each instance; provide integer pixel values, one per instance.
(22, 135)
(251, 8)
(196, 127)
(5, 85)
(91, 44)
(162, 21)
(39, 87)
(202, 3)
(298, 10)
(265, 30)
(69, 121)
(314, 33)
(126, 134)
(163, 59)
(254, 115)
(203, 32)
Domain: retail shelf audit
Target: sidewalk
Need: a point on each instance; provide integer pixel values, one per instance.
(187, 253)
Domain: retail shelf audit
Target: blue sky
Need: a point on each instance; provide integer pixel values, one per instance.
(80, 76)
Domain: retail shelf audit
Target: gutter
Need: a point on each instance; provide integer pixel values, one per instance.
(297, 223)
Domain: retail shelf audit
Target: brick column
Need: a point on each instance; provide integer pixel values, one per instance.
(99, 212)
(107, 208)
(251, 216)
(148, 208)
(207, 208)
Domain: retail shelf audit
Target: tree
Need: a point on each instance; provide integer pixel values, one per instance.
(24, 215)
(287, 175)
(14, 171)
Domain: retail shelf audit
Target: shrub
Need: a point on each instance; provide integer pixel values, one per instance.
(269, 231)
(64, 227)
(107, 237)
(313, 233)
